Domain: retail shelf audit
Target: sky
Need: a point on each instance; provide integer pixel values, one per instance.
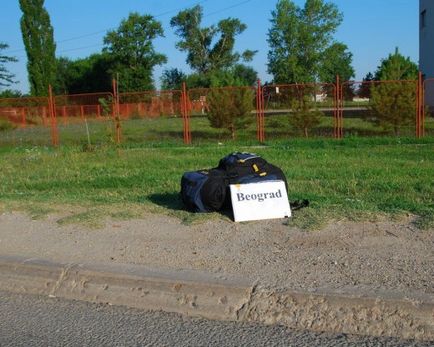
(371, 29)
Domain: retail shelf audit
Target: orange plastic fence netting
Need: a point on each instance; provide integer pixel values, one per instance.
(154, 116)
(25, 121)
(295, 110)
(252, 114)
(85, 119)
(379, 108)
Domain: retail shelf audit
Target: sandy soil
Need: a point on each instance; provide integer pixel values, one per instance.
(345, 255)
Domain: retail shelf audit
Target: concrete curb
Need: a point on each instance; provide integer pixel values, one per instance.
(205, 295)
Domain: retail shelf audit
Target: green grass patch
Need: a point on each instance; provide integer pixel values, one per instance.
(168, 131)
(356, 178)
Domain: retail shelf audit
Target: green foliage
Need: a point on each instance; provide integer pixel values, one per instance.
(396, 67)
(304, 115)
(238, 75)
(6, 78)
(364, 90)
(9, 93)
(38, 40)
(336, 61)
(86, 75)
(246, 74)
(393, 104)
(132, 51)
(172, 79)
(230, 108)
(198, 80)
(301, 43)
(208, 48)
(6, 125)
(106, 105)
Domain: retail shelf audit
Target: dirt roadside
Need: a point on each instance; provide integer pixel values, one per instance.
(372, 256)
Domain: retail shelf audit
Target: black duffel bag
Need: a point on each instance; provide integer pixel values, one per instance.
(204, 190)
(208, 190)
(241, 167)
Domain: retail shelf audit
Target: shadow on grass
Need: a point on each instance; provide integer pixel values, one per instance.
(172, 201)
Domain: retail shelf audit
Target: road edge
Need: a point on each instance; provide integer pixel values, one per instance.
(200, 294)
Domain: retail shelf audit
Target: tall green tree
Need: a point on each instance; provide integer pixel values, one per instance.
(6, 78)
(301, 43)
(393, 103)
(336, 60)
(38, 40)
(208, 48)
(132, 51)
(85, 75)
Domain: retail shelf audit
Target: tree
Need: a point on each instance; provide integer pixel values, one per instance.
(6, 78)
(301, 42)
(239, 74)
(229, 108)
(86, 75)
(365, 88)
(304, 115)
(131, 48)
(246, 74)
(208, 48)
(172, 79)
(393, 103)
(336, 60)
(396, 67)
(38, 40)
(9, 93)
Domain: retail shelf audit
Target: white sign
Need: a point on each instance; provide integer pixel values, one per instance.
(262, 200)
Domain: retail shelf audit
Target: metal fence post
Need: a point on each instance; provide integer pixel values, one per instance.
(336, 111)
(115, 111)
(260, 121)
(185, 115)
(52, 112)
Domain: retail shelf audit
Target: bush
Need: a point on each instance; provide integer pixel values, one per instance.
(6, 125)
(393, 105)
(230, 108)
(305, 115)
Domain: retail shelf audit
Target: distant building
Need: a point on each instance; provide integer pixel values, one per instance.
(426, 46)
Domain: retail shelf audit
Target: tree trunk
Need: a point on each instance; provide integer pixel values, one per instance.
(306, 133)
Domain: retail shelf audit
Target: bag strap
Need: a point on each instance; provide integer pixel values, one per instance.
(298, 204)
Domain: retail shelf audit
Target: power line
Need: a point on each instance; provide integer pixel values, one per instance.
(228, 8)
(156, 16)
(71, 49)
(105, 30)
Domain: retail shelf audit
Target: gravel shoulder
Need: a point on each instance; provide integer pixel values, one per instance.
(373, 256)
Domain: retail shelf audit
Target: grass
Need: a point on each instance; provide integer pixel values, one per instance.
(169, 131)
(355, 178)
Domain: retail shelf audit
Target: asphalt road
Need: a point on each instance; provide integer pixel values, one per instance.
(29, 321)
